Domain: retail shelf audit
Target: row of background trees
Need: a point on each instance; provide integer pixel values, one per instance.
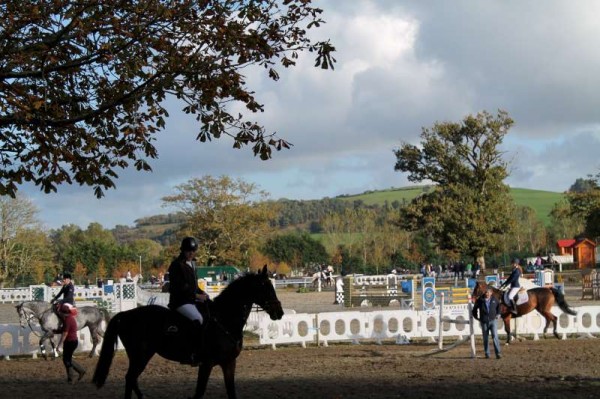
(234, 227)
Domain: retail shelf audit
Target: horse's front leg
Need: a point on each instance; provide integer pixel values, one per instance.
(506, 320)
(229, 377)
(47, 337)
(54, 350)
(43, 349)
(203, 374)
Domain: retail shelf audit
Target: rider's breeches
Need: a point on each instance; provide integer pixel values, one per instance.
(190, 311)
(513, 291)
(68, 350)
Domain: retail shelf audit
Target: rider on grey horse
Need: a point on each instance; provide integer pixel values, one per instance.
(68, 293)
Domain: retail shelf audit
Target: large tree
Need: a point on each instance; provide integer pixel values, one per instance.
(90, 247)
(228, 216)
(585, 205)
(83, 83)
(470, 209)
(23, 244)
(300, 251)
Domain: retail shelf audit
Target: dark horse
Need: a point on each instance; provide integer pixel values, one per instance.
(41, 312)
(152, 329)
(541, 299)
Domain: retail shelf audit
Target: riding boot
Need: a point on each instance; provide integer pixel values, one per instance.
(198, 354)
(80, 370)
(70, 375)
(514, 306)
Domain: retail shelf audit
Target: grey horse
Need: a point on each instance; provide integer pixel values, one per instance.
(41, 312)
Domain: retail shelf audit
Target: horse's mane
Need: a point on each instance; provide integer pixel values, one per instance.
(36, 303)
(237, 288)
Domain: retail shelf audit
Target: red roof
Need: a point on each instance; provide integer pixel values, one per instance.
(565, 243)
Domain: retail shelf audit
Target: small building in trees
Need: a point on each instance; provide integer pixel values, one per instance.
(582, 249)
(565, 247)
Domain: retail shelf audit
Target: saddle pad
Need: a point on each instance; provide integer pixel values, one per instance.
(522, 297)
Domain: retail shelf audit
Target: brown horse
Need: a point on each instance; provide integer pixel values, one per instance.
(541, 299)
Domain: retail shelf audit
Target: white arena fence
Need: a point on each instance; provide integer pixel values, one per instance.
(403, 325)
(393, 325)
(114, 297)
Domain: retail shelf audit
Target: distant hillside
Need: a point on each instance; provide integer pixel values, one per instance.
(307, 214)
(541, 201)
(160, 228)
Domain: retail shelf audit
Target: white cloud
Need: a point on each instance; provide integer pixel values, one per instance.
(401, 65)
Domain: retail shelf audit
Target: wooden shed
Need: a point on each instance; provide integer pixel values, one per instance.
(584, 253)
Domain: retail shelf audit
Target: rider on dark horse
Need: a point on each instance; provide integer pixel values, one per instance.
(185, 295)
(68, 293)
(513, 281)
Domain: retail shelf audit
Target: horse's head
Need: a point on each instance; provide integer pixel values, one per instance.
(25, 314)
(265, 296)
(478, 290)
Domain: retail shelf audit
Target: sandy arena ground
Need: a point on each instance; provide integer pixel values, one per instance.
(530, 369)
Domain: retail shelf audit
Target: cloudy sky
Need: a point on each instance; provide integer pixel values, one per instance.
(402, 65)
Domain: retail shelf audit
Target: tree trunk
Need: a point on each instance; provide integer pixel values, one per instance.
(481, 260)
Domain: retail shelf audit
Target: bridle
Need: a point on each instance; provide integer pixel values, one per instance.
(28, 315)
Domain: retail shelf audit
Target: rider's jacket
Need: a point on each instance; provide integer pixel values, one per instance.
(513, 279)
(68, 292)
(183, 284)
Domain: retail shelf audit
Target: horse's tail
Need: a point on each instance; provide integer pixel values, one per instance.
(107, 352)
(562, 303)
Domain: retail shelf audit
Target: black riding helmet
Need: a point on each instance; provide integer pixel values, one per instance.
(189, 244)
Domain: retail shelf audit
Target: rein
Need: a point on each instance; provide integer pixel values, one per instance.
(29, 315)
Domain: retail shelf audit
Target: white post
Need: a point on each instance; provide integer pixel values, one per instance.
(319, 284)
(471, 327)
(440, 335)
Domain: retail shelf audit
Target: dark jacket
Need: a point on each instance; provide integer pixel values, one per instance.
(481, 313)
(68, 292)
(513, 279)
(183, 284)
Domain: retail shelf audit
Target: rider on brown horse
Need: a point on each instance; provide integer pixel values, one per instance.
(513, 281)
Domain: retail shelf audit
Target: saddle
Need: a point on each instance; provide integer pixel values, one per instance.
(183, 338)
(522, 297)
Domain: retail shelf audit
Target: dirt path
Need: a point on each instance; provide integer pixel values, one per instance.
(541, 369)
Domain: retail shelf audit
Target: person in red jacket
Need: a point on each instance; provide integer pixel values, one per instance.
(69, 342)
(185, 295)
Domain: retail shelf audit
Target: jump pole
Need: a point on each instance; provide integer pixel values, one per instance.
(443, 319)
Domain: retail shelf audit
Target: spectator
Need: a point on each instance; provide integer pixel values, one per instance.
(487, 310)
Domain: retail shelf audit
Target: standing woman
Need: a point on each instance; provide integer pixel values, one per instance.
(69, 341)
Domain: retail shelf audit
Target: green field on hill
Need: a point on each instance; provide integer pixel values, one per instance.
(541, 201)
